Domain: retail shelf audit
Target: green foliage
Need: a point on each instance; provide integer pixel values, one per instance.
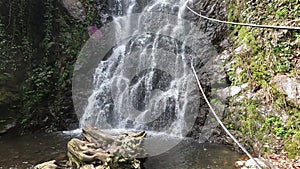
(282, 13)
(275, 125)
(230, 126)
(7, 55)
(231, 76)
(292, 148)
(297, 135)
(3, 122)
(269, 53)
(6, 97)
(246, 36)
(42, 55)
(250, 118)
(36, 91)
(40, 79)
(48, 41)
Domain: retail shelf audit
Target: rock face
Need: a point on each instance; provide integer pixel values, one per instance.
(229, 92)
(214, 9)
(290, 86)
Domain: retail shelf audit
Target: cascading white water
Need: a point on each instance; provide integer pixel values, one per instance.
(145, 82)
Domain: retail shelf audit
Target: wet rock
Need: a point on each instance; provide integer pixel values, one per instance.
(47, 165)
(216, 32)
(5, 128)
(213, 73)
(210, 128)
(290, 86)
(225, 43)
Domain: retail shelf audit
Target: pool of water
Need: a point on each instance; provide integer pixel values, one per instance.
(25, 151)
(192, 155)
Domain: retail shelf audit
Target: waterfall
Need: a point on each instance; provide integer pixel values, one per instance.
(145, 82)
(135, 73)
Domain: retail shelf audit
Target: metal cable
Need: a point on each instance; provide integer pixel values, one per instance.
(219, 121)
(243, 24)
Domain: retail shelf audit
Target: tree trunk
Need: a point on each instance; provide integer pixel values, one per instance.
(101, 150)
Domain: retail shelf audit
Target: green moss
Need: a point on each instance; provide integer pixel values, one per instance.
(292, 148)
(297, 135)
(269, 52)
(3, 122)
(282, 13)
(245, 35)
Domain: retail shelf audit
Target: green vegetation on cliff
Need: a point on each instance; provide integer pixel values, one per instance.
(39, 44)
(264, 113)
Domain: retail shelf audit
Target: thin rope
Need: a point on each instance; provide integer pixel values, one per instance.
(243, 24)
(220, 122)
